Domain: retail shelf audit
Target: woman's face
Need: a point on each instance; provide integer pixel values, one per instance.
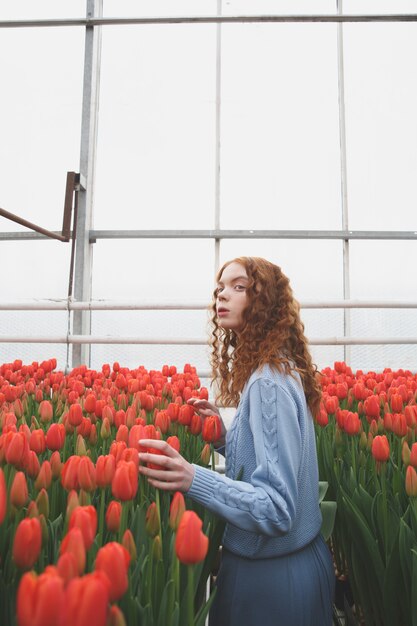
(231, 297)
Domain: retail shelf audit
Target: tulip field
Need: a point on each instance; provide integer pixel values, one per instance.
(367, 449)
(84, 538)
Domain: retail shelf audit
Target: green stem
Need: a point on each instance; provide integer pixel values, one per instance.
(101, 517)
(213, 464)
(123, 519)
(190, 595)
(385, 520)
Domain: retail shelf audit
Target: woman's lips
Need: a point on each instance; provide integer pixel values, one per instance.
(222, 312)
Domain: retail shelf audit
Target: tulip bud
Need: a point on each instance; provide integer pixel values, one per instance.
(411, 482)
(32, 509)
(44, 478)
(176, 510)
(380, 448)
(105, 430)
(72, 503)
(44, 529)
(45, 411)
(363, 441)
(86, 474)
(405, 453)
(129, 543)
(157, 549)
(56, 465)
(67, 567)
(75, 414)
(80, 447)
(85, 518)
(42, 502)
(205, 454)
(113, 515)
(19, 491)
(84, 497)
(152, 520)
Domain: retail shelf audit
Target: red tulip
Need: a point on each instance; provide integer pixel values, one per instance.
(46, 411)
(44, 478)
(115, 617)
(352, 423)
(75, 414)
(17, 450)
(55, 437)
(125, 481)
(162, 421)
(113, 514)
(196, 424)
(113, 559)
(191, 544)
(73, 542)
(105, 470)
(69, 474)
(37, 441)
(86, 474)
(205, 454)
(372, 407)
(173, 410)
(27, 542)
(212, 428)
(39, 599)
(322, 417)
(85, 518)
(86, 601)
(380, 448)
(399, 424)
(19, 491)
(90, 403)
(396, 402)
(185, 414)
(67, 567)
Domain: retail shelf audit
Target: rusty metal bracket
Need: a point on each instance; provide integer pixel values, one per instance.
(72, 187)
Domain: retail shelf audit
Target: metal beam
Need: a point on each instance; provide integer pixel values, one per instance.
(84, 249)
(210, 19)
(91, 339)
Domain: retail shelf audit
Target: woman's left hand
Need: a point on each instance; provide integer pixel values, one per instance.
(175, 473)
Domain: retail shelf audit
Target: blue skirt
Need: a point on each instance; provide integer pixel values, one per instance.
(292, 590)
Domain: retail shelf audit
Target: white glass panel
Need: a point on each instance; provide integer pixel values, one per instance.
(155, 162)
(381, 125)
(280, 160)
(314, 267)
(154, 270)
(369, 7)
(41, 73)
(158, 8)
(41, 9)
(278, 7)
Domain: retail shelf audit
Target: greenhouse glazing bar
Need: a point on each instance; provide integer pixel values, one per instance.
(210, 19)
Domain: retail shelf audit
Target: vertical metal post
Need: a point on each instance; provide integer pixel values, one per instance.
(343, 177)
(217, 147)
(84, 252)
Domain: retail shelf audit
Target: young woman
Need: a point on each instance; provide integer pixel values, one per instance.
(276, 568)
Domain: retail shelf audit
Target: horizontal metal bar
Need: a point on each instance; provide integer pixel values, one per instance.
(43, 231)
(210, 19)
(343, 235)
(108, 305)
(184, 341)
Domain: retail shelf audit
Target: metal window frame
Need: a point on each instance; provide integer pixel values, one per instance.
(86, 236)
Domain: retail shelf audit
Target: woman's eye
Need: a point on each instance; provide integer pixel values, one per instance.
(240, 287)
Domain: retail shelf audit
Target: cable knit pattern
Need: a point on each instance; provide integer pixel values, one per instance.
(273, 509)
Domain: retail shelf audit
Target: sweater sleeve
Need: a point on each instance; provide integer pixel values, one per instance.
(267, 502)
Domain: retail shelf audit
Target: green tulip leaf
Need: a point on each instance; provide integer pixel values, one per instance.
(328, 512)
(323, 487)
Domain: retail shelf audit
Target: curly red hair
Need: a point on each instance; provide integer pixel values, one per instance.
(272, 333)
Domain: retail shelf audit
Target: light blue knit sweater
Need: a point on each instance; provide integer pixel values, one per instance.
(273, 509)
